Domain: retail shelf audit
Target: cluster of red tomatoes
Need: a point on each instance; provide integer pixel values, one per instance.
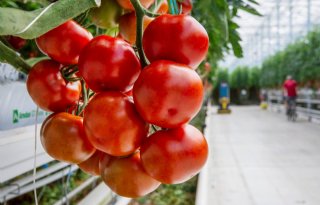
(112, 137)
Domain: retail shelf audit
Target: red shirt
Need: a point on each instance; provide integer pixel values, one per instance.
(291, 88)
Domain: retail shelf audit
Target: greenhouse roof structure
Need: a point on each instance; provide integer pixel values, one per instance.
(282, 22)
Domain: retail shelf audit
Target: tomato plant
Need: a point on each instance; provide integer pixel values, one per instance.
(65, 42)
(108, 63)
(158, 89)
(126, 4)
(178, 38)
(107, 15)
(49, 90)
(63, 138)
(113, 125)
(117, 172)
(128, 25)
(174, 156)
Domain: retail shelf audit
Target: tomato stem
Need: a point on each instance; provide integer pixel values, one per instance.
(173, 7)
(7, 55)
(84, 94)
(140, 13)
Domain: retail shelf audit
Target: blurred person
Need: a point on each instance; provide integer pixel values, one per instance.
(290, 92)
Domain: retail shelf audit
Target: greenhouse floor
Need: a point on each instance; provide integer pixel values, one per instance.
(259, 158)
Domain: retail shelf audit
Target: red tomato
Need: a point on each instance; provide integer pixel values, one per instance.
(128, 24)
(207, 67)
(126, 4)
(168, 94)
(65, 42)
(109, 63)
(91, 165)
(49, 90)
(113, 125)
(16, 42)
(126, 177)
(64, 139)
(174, 156)
(179, 38)
(186, 6)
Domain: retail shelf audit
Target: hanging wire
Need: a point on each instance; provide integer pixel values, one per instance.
(35, 157)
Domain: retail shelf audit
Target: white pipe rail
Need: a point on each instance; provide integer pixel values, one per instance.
(305, 105)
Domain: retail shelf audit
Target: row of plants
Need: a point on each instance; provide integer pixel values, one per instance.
(299, 59)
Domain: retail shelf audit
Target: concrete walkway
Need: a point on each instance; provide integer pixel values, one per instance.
(258, 158)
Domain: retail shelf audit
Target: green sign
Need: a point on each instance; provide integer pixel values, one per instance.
(16, 115)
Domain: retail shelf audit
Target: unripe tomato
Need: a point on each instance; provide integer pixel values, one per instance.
(107, 15)
(174, 156)
(108, 63)
(179, 38)
(113, 125)
(126, 177)
(126, 4)
(128, 24)
(186, 6)
(49, 90)
(65, 42)
(91, 165)
(64, 139)
(168, 94)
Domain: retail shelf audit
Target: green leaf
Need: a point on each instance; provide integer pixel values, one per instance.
(250, 10)
(7, 55)
(31, 24)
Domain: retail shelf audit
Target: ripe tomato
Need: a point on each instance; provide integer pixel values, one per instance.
(128, 24)
(16, 42)
(49, 90)
(126, 4)
(186, 6)
(91, 165)
(174, 156)
(179, 38)
(113, 125)
(119, 171)
(106, 16)
(64, 139)
(160, 88)
(108, 63)
(65, 42)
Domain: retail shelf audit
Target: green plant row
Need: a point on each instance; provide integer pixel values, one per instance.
(300, 59)
(240, 78)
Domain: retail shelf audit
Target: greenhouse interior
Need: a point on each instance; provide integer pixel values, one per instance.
(159, 102)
